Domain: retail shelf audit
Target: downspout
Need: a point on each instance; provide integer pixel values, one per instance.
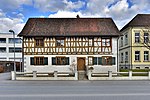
(23, 54)
(131, 49)
(117, 55)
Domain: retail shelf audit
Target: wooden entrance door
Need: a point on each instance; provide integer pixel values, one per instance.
(81, 63)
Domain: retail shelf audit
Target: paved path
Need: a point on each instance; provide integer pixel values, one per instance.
(73, 90)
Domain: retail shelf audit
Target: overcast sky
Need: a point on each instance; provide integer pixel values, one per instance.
(15, 13)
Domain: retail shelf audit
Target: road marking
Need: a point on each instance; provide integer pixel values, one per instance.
(74, 95)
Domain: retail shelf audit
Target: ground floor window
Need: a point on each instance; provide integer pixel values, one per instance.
(39, 60)
(90, 60)
(60, 60)
(104, 60)
(137, 55)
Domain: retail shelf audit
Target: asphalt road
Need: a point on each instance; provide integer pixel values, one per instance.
(73, 90)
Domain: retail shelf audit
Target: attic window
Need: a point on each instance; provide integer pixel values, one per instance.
(60, 42)
(39, 42)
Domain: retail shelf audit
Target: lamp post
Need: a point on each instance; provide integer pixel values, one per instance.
(14, 48)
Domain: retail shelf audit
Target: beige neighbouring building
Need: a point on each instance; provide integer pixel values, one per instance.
(133, 52)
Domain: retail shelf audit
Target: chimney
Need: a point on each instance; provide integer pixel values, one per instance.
(78, 16)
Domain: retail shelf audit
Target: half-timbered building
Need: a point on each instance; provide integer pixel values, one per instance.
(57, 44)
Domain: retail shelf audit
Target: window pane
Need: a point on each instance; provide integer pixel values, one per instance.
(137, 37)
(2, 40)
(31, 61)
(53, 61)
(95, 61)
(107, 60)
(39, 42)
(2, 49)
(17, 40)
(60, 42)
(45, 61)
(137, 55)
(11, 49)
(99, 60)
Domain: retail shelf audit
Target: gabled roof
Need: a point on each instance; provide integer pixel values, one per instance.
(70, 27)
(140, 20)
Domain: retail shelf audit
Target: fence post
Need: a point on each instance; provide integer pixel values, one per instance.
(130, 75)
(76, 75)
(110, 74)
(149, 75)
(55, 74)
(89, 74)
(34, 74)
(13, 75)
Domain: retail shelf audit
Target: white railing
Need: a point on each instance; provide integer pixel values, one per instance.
(119, 75)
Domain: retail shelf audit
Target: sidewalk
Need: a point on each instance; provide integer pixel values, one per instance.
(5, 76)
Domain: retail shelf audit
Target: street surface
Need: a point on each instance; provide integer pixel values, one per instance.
(73, 90)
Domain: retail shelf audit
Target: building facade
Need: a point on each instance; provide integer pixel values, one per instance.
(7, 47)
(55, 44)
(134, 52)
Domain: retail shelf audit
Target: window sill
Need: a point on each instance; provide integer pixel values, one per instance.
(137, 61)
(146, 61)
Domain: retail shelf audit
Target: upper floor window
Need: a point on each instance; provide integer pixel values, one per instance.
(137, 55)
(2, 40)
(11, 49)
(146, 55)
(39, 42)
(2, 49)
(60, 42)
(60, 60)
(146, 39)
(137, 37)
(16, 40)
(106, 42)
(126, 39)
(121, 41)
(90, 41)
(39, 60)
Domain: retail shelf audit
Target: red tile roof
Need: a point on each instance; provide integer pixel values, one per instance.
(70, 27)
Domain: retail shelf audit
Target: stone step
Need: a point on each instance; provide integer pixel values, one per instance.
(82, 75)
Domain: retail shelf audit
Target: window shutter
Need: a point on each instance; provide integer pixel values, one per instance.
(113, 61)
(32, 61)
(67, 60)
(94, 60)
(46, 61)
(53, 61)
(99, 60)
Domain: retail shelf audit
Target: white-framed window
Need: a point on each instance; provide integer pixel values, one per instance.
(146, 39)
(60, 42)
(121, 57)
(126, 39)
(137, 55)
(146, 55)
(121, 41)
(126, 56)
(137, 37)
